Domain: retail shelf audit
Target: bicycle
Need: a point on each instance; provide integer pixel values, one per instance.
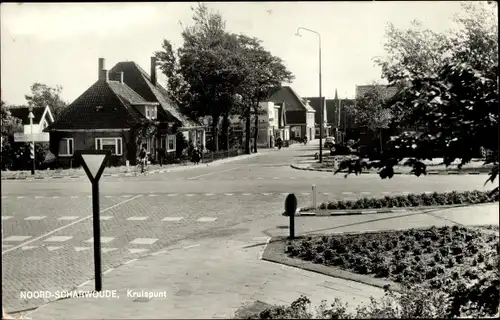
(141, 167)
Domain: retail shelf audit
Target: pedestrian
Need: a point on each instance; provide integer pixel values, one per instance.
(279, 143)
(196, 156)
(142, 157)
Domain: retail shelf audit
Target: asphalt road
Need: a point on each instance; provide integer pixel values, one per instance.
(47, 226)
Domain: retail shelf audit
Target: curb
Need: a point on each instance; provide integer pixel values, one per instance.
(400, 173)
(328, 213)
(132, 174)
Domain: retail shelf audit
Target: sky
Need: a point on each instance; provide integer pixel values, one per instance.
(59, 44)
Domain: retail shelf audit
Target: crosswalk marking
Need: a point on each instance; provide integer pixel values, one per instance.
(16, 238)
(247, 194)
(189, 194)
(39, 197)
(28, 247)
(78, 249)
(20, 197)
(68, 218)
(134, 250)
(347, 193)
(53, 248)
(152, 195)
(209, 194)
(206, 219)
(305, 193)
(265, 194)
(6, 217)
(143, 241)
(108, 249)
(74, 197)
(35, 218)
(172, 194)
(58, 239)
(5, 197)
(172, 219)
(103, 240)
(228, 194)
(55, 197)
(137, 218)
(105, 217)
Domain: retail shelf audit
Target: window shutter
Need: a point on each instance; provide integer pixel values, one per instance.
(70, 146)
(98, 144)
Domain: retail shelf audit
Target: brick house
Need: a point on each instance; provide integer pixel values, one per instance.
(299, 114)
(317, 105)
(110, 115)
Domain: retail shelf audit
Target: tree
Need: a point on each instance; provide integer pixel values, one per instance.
(43, 95)
(204, 73)
(371, 111)
(456, 100)
(263, 73)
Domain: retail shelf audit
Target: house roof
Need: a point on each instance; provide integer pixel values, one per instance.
(315, 103)
(293, 101)
(23, 112)
(140, 81)
(105, 105)
(388, 92)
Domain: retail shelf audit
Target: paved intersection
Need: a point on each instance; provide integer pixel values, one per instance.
(48, 229)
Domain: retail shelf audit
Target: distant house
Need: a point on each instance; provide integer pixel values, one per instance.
(317, 105)
(298, 113)
(110, 114)
(42, 118)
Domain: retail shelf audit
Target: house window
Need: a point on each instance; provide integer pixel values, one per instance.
(151, 112)
(66, 147)
(113, 144)
(170, 142)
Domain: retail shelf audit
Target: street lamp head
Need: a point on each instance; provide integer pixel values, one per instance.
(297, 33)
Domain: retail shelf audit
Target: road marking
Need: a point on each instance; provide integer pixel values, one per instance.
(284, 194)
(231, 169)
(108, 196)
(386, 192)
(28, 247)
(132, 250)
(74, 197)
(247, 194)
(39, 197)
(6, 217)
(151, 195)
(5, 246)
(209, 194)
(105, 217)
(20, 197)
(68, 218)
(108, 271)
(58, 239)
(17, 238)
(78, 249)
(326, 193)
(192, 246)
(229, 194)
(159, 252)
(406, 192)
(137, 218)
(5, 197)
(108, 249)
(83, 284)
(172, 219)
(144, 241)
(260, 178)
(189, 194)
(35, 217)
(55, 197)
(265, 194)
(368, 211)
(126, 196)
(366, 192)
(172, 194)
(103, 240)
(275, 178)
(305, 193)
(347, 193)
(70, 224)
(53, 248)
(206, 219)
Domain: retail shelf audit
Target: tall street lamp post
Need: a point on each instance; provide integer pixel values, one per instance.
(321, 124)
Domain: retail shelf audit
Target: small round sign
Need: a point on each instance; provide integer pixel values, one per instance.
(290, 204)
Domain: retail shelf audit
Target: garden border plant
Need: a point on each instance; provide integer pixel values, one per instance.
(412, 200)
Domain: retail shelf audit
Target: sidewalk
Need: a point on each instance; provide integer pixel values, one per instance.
(214, 276)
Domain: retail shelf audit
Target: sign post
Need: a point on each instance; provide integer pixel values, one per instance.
(290, 209)
(94, 162)
(32, 144)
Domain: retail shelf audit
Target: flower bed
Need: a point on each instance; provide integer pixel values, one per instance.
(443, 258)
(412, 200)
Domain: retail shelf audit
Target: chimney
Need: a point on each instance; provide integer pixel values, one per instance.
(153, 70)
(121, 77)
(104, 75)
(101, 67)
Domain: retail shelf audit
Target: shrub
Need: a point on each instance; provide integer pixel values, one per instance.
(328, 254)
(319, 259)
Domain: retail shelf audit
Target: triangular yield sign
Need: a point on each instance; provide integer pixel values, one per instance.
(93, 162)
(78, 249)
(137, 250)
(28, 247)
(108, 249)
(53, 248)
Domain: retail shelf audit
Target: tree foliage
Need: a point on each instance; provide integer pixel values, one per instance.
(42, 95)
(454, 95)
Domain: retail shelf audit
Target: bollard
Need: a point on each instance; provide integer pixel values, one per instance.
(335, 164)
(290, 208)
(127, 164)
(314, 205)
